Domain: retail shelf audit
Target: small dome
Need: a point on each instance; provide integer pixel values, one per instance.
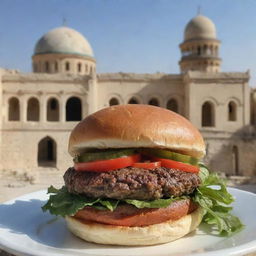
(200, 27)
(63, 40)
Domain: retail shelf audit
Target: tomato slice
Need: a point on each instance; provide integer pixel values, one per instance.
(147, 165)
(130, 216)
(107, 165)
(177, 165)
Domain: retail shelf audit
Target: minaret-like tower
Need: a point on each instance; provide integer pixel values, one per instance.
(200, 48)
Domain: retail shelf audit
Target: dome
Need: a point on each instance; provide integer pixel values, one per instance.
(200, 27)
(63, 40)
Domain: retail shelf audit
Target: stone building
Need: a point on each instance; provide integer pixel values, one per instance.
(39, 109)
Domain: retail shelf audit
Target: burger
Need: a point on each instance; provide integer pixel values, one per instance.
(137, 179)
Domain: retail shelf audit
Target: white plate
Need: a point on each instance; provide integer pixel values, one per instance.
(26, 230)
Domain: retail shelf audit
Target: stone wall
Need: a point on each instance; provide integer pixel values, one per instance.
(20, 149)
(231, 153)
(142, 87)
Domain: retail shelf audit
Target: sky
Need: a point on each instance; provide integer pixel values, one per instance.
(140, 36)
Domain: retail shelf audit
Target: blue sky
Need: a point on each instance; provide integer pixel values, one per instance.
(139, 36)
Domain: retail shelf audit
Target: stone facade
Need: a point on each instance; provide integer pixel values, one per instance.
(20, 138)
(39, 109)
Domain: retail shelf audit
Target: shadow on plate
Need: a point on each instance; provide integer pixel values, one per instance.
(27, 218)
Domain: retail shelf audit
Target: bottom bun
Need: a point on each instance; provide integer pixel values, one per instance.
(149, 235)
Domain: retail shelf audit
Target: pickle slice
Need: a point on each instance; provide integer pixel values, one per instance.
(162, 153)
(103, 155)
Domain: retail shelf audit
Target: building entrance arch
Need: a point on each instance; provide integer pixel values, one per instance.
(46, 153)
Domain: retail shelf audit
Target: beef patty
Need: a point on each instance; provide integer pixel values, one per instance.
(131, 183)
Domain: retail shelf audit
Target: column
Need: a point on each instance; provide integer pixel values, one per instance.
(62, 110)
(92, 96)
(23, 108)
(43, 109)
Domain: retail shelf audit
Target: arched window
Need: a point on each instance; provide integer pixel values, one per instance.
(14, 109)
(56, 66)
(91, 70)
(67, 66)
(198, 50)
(208, 114)
(216, 51)
(232, 111)
(235, 160)
(172, 105)
(52, 110)
(79, 67)
(86, 68)
(153, 102)
(113, 101)
(73, 109)
(133, 101)
(33, 110)
(46, 67)
(205, 49)
(46, 153)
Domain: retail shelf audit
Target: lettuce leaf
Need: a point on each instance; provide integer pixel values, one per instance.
(215, 201)
(63, 203)
(159, 203)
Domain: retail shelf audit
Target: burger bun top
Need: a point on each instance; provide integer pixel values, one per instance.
(136, 126)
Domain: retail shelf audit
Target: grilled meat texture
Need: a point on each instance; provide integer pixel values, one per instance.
(132, 183)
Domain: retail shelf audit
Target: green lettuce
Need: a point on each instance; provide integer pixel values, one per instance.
(211, 195)
(215, 201)
(159, 203)
(63, 203)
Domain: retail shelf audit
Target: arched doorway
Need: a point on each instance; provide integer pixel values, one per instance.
(73, 109)
(46, 153)
(208, 114)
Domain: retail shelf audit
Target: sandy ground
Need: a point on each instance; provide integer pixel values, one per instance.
(16, 184)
